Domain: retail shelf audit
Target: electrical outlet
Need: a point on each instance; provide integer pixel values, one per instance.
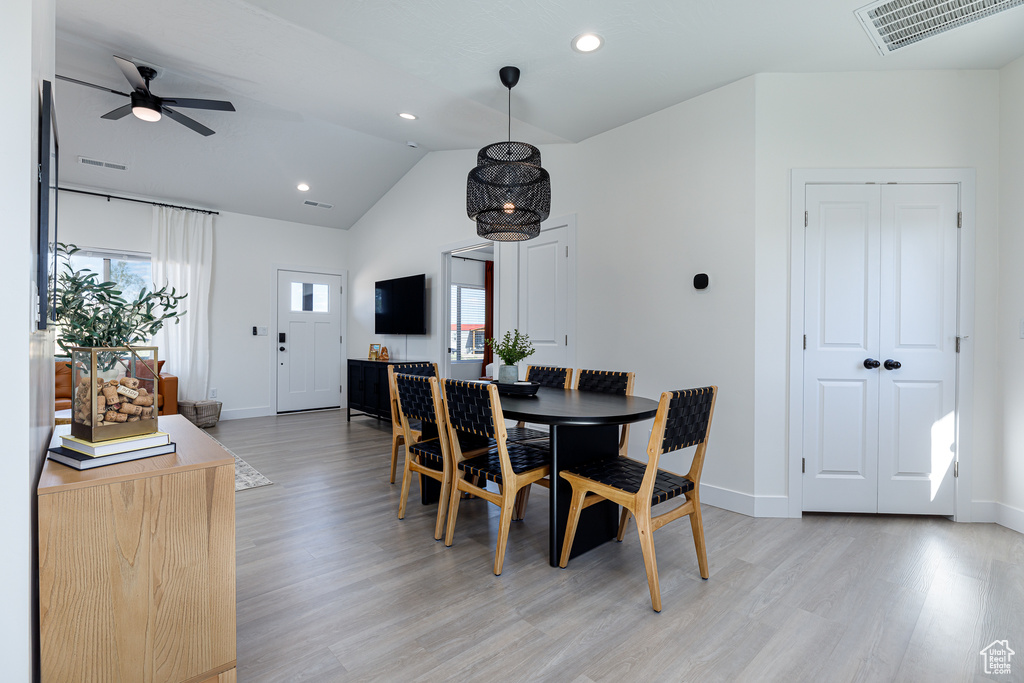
(213, 393)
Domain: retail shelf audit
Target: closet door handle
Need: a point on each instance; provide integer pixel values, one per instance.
(892, 364)
(871, 364)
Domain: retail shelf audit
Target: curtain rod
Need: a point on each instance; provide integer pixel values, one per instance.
(139, 201)
(466, 258)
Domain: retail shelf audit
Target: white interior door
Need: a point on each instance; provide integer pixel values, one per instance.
(543, 296)
(309, 342)
(841, 319)
(918, 330)
(880, 274)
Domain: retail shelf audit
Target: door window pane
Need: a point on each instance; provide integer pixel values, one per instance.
(467, 314)
(310, 297)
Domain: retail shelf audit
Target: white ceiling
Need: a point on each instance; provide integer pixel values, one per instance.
(317, 84)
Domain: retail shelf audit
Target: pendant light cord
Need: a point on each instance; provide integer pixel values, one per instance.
(510, 114)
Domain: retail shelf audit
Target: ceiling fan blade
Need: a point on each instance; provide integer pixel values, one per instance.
(91, 85)
(219, 105)
(187, 122)
(118, 113)
(131, 72)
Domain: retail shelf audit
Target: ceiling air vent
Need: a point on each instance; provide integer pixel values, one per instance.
(321, 205)
(102, 164)
(899, 23)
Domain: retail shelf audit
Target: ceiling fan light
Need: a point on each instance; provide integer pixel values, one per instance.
(146, 113)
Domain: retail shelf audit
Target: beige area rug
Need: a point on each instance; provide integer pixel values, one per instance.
(246, 476)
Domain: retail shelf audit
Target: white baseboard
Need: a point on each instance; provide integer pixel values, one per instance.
(771, 506)
(998, 513)
(727, 499)
(242, 413)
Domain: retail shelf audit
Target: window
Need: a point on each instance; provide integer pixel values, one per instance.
(467, 335)
(131, 270)
(310, 297)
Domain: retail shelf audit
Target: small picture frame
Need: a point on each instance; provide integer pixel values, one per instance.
(374, 351)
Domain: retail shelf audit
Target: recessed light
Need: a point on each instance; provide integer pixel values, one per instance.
(407, 116)
(303, 187)
(587, 42)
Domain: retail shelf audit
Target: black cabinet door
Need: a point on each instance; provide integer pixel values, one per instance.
(373, 386)
(356, 385)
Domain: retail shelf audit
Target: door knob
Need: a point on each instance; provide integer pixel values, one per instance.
(871, 363)
(282, 349)
(892, 364)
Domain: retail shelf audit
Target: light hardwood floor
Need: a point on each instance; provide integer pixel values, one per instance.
(333, 587)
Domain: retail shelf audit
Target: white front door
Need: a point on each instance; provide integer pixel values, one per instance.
(881, 269)
(309, 340)
(543, 296)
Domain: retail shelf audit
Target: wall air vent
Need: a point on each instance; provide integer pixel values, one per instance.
(899, 23)
(102, 164)
(321, 205)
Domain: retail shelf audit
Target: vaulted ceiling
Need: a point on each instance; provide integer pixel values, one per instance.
(318, 84)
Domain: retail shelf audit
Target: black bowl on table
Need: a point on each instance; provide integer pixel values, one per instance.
(517, 388)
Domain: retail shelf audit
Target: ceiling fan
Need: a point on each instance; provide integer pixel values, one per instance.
(149, 107)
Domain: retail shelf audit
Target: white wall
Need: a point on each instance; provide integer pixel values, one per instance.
(657, 201)
(922, 119)
(26, 51)
(1010, 394)
(243, 292)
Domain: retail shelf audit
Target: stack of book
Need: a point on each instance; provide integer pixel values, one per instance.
(83, 455)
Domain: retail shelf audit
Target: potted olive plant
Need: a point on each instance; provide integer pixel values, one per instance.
(91, 313)
(511, 350)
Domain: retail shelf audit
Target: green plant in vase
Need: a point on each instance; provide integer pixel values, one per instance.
(93, 313)
(512, 349)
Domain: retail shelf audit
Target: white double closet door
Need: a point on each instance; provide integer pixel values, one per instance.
(881, 285)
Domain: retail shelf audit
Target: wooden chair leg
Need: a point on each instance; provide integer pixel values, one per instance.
(623, 521)
(522, 498)
(697, 525)
(575, 508)
(504, 524)
(453, 508)
(395, 442)
(646, 532)
(406, 484)
(442, 507)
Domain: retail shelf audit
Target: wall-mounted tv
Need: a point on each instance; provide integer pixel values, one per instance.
(401, 306)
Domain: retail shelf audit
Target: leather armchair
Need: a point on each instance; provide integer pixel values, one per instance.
(167, 389)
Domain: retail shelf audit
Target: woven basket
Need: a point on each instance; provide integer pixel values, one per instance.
(200, 413)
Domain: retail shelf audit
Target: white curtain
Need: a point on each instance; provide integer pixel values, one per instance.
(183, 258)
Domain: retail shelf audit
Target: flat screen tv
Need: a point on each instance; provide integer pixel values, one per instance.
(401, 306)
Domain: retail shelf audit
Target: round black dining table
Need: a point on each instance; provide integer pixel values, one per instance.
(584, 426)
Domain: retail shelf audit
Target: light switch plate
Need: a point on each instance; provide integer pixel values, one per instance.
(262, 331)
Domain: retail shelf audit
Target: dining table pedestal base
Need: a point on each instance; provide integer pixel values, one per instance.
(599, 523)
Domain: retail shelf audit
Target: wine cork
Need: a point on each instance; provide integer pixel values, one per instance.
(111, 393)
(146, 400)
(130, 382)
(129, 409)
(127, 391)
(113, 416)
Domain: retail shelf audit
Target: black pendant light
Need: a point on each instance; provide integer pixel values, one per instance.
(508, 194)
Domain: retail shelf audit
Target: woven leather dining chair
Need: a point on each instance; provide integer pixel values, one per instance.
(683, 420)
(419, 398)
(473, 410)
(397, 435)
(604, 382)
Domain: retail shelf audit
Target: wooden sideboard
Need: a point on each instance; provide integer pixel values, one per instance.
(368, 387)
(137, 566)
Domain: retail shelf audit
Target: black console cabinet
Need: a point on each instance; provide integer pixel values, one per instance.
(368, 387)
